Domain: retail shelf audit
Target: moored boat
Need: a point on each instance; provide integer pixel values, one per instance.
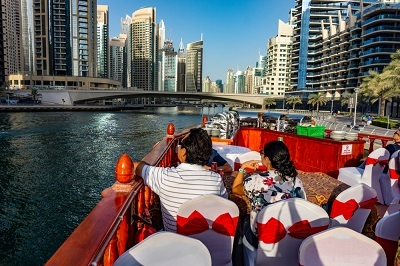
(129, 211)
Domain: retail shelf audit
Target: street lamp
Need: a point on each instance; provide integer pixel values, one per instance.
(332, 98)
(355, 106)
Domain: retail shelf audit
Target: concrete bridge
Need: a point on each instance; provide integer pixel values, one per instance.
(71, 97)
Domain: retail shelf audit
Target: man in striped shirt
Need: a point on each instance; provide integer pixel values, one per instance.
(176, 185)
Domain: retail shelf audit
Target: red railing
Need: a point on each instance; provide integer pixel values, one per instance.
(110, 229)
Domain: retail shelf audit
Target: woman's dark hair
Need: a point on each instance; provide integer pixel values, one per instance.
(278, 154)
(198, 146)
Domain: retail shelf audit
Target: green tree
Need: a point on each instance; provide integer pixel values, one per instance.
(293, 100)
(383, 86)
(346, 100)
(317, 99)
(268, 102)
(35, 95)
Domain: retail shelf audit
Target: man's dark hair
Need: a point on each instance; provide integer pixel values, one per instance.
(198, 146)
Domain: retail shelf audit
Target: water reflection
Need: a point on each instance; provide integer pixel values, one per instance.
(53, 167)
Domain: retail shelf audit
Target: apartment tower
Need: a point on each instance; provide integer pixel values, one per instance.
(118, 59)
(194, 66)
(102, 41)
(309, 18)
(11, 57)
(65, 37)
(279, 60)
(143, 50)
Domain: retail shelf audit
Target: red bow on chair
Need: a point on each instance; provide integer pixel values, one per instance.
(348, 208)
(375, 161)
(274, 231)
(394, 174)
(196, 223)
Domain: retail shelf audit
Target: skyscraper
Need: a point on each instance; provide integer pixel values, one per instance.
(168, 67)
(279, 60)
(194, 66)
(102, 41)
(309, 17)
(11, 44)
(230, 81)
(27, 36)
(143, 50)
(181, 68)
(65, 37)
(118, 59)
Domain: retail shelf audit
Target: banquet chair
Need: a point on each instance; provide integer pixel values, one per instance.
(394, 206)
(212, 220)
(166, 248)
(389, 181)
(283, 225)
(251, 155)
(340, 246)
(352, 207)
(387, 234)
(370, 175)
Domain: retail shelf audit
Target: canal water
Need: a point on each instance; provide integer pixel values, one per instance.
(53, 167)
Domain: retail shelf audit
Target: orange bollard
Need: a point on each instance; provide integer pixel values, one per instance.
(205, 120)
(170, 129)
(124, 169)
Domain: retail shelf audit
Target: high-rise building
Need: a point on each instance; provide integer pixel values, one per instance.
(239, 82)
(279, 60)
(194, 66)
(249, 80)
(118, 59)
(102, 41)
(65, 37)
(27, 28)
(220, 85)
(181, 68)
(126, 25)
(230, 81)
(168, 68)
(309, 18)
(10, 40)
(207, 84)
(161, 34)
(143, 50)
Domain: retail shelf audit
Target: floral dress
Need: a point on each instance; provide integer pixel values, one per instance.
(266, 188)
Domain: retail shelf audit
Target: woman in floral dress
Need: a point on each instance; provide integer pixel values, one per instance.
(277, 183)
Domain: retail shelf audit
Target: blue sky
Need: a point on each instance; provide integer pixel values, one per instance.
(234, 31)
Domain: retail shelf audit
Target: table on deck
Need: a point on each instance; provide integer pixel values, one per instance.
(320, 188)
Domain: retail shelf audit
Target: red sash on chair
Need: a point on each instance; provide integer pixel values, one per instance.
(375, 161)
(196, 223)
(348, 208)
(274, 231)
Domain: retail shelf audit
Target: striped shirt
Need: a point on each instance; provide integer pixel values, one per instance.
(176, 185)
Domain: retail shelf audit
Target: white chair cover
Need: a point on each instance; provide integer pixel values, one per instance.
(370, 175)
(212, 220)
(387, 181)
(387, 234)
(283, 225)
(352, 207)
(394, 206)
(340, 246)
(166, 248)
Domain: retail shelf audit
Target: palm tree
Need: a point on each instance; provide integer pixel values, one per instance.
(383, 86)
(269, 102)
(293, 100)
(346, 100)
(317, 99)
(35, 95)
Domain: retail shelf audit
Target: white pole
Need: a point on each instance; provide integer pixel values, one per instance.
(355, 107)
